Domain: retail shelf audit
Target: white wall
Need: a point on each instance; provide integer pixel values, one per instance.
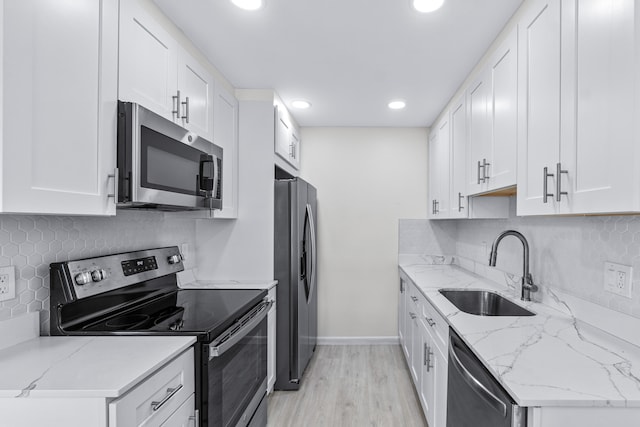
(242, 249)
(367, 178)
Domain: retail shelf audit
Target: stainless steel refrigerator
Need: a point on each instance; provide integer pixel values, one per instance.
(296, 271)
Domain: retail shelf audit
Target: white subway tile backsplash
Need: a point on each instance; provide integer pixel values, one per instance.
(31, 243)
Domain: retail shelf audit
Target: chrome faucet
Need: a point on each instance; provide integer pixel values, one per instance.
(527, 281)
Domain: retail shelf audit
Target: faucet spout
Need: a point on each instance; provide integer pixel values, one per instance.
(527, 281)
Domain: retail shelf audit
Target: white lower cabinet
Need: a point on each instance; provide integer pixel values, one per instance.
(424, 339)
(160, 399)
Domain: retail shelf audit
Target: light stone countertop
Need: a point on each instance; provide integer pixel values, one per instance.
(105, 367)
(550, 359)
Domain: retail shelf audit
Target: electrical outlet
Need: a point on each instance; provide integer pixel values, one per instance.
(7, 283)
(618, 279)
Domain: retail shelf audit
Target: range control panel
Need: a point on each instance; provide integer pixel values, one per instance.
(139, 265)
(94, 276)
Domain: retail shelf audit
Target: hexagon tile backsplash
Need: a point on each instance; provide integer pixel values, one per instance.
(565, 252)
(31, 243)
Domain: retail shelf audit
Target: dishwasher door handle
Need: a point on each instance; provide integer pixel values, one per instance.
(491, 399)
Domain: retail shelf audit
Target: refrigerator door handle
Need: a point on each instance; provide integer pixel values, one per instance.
(314, 258)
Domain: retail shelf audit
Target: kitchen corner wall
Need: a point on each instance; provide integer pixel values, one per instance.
(367, 178)
(565, 252)
(31, 243)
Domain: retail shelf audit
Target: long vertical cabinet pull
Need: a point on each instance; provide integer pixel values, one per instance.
(460, 197)
(545, 190)
(559, 172)
(186, 107)
(115, 186)
(485, 175)
(480, 178)
(176, 99)
(425, 351)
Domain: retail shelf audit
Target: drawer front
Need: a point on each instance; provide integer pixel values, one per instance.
(157, 397)
(184, 416)
(436, 324)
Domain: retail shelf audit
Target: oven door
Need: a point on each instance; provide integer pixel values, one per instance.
(236, 373)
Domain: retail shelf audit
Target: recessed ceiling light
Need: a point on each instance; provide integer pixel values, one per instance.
(427, 5)
(397, 105)
(249, 4)
(301, 104)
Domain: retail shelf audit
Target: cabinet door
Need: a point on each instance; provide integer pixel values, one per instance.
(148, 61)
(433, 173)
(196, 87)
(458, 198)
(479, 136)
(271, 341)
(504, 115)
(599, 140)
(539, 105)
(225, 134)
(427, 389)
(402, 314)
(439, 170)
(416, 348)
(439, 360)
(60, 73)
(283, 132)
(294, 150)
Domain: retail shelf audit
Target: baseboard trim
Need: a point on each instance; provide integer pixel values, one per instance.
(358, 341)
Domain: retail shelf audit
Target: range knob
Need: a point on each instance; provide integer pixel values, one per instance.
(174, 259)
(83, 278)
(98, 275)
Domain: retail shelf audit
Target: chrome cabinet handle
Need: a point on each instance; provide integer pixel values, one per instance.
(170, 393)
(176, 99)
(425, 362)
(480, 167)
(186, 108)
(545, 190)
(430, 321)
(115, 186)
(437, 207)
(412, 315)
(429, 365)
(415, 299)
(460, 197)
(401, 286)
(195, 418)
(476, 385)
(485, 175)
(559, 172)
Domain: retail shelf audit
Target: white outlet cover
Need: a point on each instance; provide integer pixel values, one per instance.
(10, 272)
(618, 279)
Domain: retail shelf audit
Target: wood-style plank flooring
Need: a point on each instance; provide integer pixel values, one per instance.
(350, 386)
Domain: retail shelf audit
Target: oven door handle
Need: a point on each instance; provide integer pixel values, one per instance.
(475, 384)
(239, 329)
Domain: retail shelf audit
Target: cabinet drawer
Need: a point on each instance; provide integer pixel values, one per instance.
(184, 416)
(436, 324)
(156, 398)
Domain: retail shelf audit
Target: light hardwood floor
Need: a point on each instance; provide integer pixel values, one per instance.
(350, 386)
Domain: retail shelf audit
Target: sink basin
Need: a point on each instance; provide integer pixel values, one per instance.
(483, 303)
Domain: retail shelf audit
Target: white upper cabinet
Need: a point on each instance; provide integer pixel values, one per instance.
(59, 128)
(287, 137)
(226, 135)
(458, 201)
(439, 169)
(577, 139)
(156, 72)
(493, 121)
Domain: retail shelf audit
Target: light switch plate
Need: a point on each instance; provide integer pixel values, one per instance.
(618, 279)
(7, 283)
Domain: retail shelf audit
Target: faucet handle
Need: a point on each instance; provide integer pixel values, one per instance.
(528, 284)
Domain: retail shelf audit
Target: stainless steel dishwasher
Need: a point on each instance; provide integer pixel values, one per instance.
(474, 397)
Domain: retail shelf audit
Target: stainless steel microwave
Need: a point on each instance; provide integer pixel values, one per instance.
(163, 166)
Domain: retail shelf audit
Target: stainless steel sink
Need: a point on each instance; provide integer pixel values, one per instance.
(483, 303)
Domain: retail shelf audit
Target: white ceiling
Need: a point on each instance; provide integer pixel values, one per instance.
(349, 58)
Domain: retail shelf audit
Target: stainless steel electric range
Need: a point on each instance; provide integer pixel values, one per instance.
(136, 293)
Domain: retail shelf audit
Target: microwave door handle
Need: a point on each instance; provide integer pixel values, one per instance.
(205, 183)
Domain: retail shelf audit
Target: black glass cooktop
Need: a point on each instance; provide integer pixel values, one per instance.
(202, 312)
